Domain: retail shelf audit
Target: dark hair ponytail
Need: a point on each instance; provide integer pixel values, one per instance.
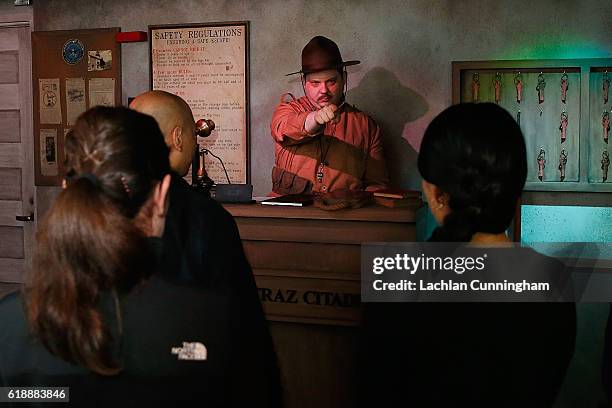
(89, 242)
(476, 154)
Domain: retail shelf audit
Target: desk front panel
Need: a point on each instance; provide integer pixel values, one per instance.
(307, 261)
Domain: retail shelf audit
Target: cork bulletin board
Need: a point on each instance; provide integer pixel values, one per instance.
(563, 108)
(72, 71)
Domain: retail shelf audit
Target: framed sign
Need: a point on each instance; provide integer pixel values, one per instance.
(208, 66)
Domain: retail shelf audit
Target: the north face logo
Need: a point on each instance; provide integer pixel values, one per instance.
(191, 351)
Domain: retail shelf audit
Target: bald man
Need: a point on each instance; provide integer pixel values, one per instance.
(176, 122)
(202, 246)
(195, 225)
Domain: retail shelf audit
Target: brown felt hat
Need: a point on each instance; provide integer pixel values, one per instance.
(321, 54)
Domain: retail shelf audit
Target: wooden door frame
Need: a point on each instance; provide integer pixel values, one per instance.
(24, 17)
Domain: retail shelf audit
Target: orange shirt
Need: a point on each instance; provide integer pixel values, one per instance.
(349, 150)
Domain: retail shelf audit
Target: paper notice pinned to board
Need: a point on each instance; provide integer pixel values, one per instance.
(75, 99)
(101, 92)
(48, 152)
(50, 105)
(99, 60)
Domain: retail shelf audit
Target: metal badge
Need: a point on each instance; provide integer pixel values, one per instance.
(73, 51)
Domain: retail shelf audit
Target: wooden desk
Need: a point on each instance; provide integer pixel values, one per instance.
(306, 263)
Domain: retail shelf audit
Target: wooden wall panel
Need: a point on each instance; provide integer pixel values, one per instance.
(9, 68)
(11, 242)
(318, 364)
(321, 231)
(11, 155)
(9, 126)
(10, 184)
(10, 96)
(8, 211)
(11, 270)
(8, 40)
(299, 259)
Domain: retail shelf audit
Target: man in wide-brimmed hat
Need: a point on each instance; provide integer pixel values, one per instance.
(323, 143)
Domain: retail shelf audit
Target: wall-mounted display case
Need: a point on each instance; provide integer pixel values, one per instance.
(563, 108)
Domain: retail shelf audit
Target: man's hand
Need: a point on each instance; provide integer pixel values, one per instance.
(317, 119)
(326, 114)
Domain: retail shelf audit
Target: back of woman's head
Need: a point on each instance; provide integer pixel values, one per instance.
(91, 240)
(123, 149)
(476, 154)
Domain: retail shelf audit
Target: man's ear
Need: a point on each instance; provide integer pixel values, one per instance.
(177, 138)
(160, 197)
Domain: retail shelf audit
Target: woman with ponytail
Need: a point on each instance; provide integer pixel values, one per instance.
(473, 163)
(94, 316)
(93, 243)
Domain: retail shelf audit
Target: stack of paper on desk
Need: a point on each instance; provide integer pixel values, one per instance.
(292, 200)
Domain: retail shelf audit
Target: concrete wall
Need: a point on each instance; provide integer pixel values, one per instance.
(405, 46)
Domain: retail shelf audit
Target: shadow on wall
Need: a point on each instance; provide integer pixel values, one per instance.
(381, 95)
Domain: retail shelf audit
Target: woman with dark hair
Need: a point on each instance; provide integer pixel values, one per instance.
(473, 163)
(93, 315)
(474, 166)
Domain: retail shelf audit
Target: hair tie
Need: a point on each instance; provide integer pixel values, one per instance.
(93, 179)
(126, 187)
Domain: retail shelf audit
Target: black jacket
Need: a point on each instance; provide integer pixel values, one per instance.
(203, 289)
(468, 354)
(157, 316)
(201, 242)
(202, 247)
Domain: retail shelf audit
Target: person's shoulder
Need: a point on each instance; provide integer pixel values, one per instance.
(183, 192)
(524, 259)
(205, 205)
(165, 292)
(178, 185)
(12, 315)
(184, 199)
(11, 303)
